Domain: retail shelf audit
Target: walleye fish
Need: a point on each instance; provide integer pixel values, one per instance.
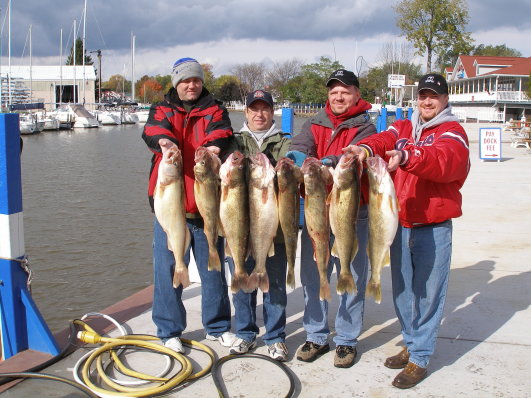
(263, 212)
(316, 179)
(289, 178)
(383, 221)
(344, 205)
(169, 209)
(207, 192)
(234, 216)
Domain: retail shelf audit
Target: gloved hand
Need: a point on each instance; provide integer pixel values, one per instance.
(327, 162)
(297, 156)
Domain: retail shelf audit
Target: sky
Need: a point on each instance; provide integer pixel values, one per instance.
(231, 32)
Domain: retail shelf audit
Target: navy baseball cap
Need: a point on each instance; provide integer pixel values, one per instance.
(259, 95)
(434, 82)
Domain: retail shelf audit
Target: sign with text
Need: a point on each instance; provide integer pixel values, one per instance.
(396, 81)
(490, 140)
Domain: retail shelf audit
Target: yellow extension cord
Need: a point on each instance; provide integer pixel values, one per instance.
(110, 344)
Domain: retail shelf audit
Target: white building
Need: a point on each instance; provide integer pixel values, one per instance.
(490, 88)
(48, 84)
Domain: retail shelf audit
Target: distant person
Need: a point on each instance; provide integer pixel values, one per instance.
(260, 134)
(344, 121)
(430, 155)
(188, 117)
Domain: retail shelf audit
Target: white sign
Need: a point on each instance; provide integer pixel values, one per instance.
(490, 143)
(396, 81)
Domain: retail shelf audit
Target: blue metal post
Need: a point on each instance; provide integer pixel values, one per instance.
(22, 325)
(287, 120)
(409, 112)
(399, 115)
(383, 123)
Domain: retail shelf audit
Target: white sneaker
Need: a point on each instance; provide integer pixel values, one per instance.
(278, 351)
(240, 346)
(226, 339)
(174, 344)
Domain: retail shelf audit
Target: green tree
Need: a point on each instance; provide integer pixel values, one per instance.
(227, 88)
(118, 84)
(495, 51)
(79, 54)
(312, 87)
(210, 80)
(433, 26)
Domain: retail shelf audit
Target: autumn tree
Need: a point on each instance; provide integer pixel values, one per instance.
(118, 84)
(433, 26)
(79, 54)
(280, 74)
(150, 90)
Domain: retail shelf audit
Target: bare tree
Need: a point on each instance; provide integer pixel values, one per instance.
(251, 77)
(281, 73)
(395, 55)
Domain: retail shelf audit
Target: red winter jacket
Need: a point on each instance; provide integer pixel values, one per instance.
(428, 184)
(319, 138)
(206, 124)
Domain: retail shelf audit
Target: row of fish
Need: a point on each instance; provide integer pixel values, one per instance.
(246, 201)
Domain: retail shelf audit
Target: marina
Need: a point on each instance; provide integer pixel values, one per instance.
(88, 232)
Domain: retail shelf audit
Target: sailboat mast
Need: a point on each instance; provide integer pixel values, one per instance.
(31, 67)
(75, 45)
(132, 67)
(61, 69)
(84, 37)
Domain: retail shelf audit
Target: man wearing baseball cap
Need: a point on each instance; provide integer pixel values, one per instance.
(430, 157)
(187, 118)
(343, 122)
(260, 134)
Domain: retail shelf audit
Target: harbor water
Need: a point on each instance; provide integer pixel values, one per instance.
(87, 221)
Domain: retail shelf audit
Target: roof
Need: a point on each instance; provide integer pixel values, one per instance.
(467, 66)
(50, 72)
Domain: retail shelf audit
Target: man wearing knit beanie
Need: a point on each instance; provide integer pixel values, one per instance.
(187, 118)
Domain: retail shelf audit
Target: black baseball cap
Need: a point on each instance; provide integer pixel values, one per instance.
(259, 95)
(433, 82)
(346, 77)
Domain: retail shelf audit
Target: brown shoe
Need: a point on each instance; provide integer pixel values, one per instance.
(410, 376)
(345, 356)
(399, 360)
(309, 351)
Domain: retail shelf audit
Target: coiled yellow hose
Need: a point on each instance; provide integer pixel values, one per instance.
(111, 344)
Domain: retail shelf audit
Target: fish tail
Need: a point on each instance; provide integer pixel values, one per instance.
(345, 284)
(290, 279)
(324, 291)
(252, 283)
(263, 282)
(239, 281)
(214, 264)
(181, 277)
(374, 289)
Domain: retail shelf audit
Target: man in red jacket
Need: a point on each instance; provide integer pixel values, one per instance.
(431, 158)
(188, 117)
(344, 121)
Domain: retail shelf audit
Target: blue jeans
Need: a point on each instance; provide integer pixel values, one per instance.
(274, 301)
(420, 266)
(169, 314)
(349, 317)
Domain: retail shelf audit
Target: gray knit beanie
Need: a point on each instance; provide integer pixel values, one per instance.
(186, 68)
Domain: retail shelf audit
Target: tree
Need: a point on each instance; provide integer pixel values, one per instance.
(210, 81)
(313, 83)
(150, 91)
(495, 51)
(280, 74)
(79, 54)
(433, 26)
(118, 84)
(227, 88)
(251, 77)
(528, 89)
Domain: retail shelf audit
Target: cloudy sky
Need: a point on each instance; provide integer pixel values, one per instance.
(230, 32)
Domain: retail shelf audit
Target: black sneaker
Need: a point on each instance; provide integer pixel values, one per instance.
(345, 356)
(309, 351)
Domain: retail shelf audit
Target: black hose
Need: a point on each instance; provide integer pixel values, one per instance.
(219, 382)
(5, 378)
(29, 375)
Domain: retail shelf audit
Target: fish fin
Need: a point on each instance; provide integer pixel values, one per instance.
(355, 248)
(228, 253)
(387, 259)
(345, 284)
(214, 263)
(252, 283)
(263, 282)
(334, 251)
(290, 279)
(181, 277)
(239, 281)
(271, 251)
(374, 289)
(324, 291)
